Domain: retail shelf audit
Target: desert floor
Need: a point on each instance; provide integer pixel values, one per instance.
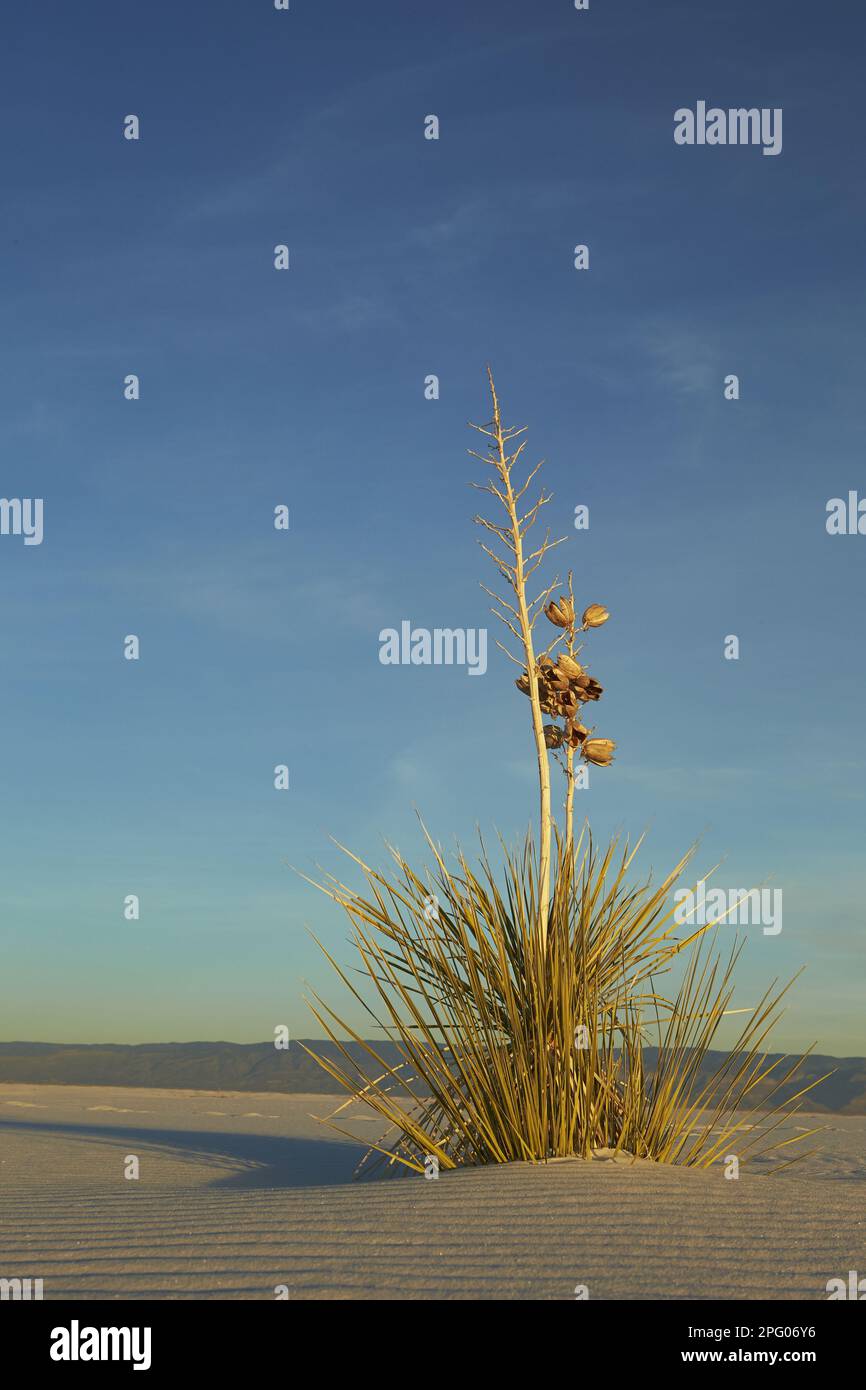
(241, 1193)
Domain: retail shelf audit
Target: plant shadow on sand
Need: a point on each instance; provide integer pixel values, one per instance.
(253, 1160)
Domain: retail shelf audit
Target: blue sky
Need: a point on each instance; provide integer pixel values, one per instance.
(411, 257)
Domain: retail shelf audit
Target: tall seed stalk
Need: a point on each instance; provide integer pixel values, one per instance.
(516, 569)
(557, 688)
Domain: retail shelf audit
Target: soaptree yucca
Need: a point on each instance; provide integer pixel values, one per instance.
(523, 996)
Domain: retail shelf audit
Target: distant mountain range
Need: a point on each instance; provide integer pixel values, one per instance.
(223, 1066)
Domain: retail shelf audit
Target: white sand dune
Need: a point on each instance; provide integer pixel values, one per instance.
(239, 1194)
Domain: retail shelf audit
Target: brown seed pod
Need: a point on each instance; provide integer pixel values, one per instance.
(569, 667)
(560, 612)
(556, 679)
(588, 689)
(575, 734)
(599, 751)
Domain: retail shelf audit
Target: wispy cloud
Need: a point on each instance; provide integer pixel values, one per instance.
(684, 358)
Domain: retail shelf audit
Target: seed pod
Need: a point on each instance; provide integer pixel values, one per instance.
(575, 734)
(569, 667)
(560, 612)
(553, 736)
(595, 615)
(587, 689)
(599, 751)
(556, 679)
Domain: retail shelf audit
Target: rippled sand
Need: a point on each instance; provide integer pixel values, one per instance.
(241, 1193)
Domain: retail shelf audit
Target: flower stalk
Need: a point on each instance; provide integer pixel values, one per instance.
(557, 687)
(516, 567)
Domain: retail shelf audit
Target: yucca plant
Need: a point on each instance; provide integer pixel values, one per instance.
(520, 995)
